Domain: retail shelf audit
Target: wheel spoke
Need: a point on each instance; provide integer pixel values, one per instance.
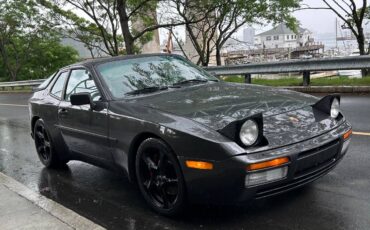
(40, 135)
(161, 162)
(164, 196)
(47, 144)
(40, 149)
(150, 164)
(149, 183)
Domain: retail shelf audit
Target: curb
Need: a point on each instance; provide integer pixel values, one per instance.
(329, 89)
(60, 212)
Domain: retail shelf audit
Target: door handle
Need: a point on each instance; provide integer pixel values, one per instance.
(63, 111)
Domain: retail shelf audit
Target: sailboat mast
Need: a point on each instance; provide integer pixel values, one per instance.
(336, 32)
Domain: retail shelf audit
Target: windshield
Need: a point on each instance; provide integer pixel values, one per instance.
(124, 76)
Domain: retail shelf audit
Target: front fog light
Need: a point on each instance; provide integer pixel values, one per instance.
(255, 178)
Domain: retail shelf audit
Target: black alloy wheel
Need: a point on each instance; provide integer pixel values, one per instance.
(159, 177)
(44, 147)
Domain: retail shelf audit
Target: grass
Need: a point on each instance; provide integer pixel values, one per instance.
(288, 81)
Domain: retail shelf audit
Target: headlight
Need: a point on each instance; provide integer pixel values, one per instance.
(334, 109)
(249, 132)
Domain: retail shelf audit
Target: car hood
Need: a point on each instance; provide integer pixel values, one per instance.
(217, 104)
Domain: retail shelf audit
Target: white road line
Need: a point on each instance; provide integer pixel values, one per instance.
(53, 208)
(17, 105)
(361, 133)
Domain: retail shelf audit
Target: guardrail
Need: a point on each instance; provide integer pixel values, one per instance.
(303, 66)
(13, 84)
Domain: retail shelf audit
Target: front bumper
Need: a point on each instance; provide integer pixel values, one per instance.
(309, 160)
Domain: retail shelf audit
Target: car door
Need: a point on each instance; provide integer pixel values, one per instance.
(47, 106)
(85, 130)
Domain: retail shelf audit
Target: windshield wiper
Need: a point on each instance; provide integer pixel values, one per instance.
(190, 81)
(150, 89)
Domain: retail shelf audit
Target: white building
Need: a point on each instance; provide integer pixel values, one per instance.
(248, 35)
(282, 37)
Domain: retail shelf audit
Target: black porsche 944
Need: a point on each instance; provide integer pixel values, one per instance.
(184, 135)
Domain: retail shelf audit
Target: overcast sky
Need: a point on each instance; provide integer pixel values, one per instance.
(318, 21)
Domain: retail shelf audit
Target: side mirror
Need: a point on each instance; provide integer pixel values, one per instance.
(82, 99)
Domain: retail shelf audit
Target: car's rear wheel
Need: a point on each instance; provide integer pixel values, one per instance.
(159, 177)
(44, 147)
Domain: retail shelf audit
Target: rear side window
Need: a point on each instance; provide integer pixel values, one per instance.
(57, 89)
(80, 81)
(46, 82)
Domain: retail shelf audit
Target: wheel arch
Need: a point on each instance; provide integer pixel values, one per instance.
(33, 122)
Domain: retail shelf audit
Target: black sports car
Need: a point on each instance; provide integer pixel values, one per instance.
(184, 135)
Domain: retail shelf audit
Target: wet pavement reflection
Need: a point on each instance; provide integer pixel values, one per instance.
(340, 200)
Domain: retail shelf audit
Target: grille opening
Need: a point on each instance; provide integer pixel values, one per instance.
(315, 150)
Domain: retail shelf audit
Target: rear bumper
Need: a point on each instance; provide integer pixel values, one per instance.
(309, 160)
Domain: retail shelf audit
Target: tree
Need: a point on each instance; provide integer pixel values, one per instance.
(98, 30)
(25, 36)
(210, 34)
(133, 10)
(353, 16)
(46, 57)
(110, 23)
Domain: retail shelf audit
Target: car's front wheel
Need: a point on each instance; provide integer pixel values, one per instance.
(159, 177)
(44, 147)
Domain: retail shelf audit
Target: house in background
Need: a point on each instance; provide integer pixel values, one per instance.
(282, 37)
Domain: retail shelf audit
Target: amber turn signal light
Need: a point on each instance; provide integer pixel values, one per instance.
(268, 164)
(347, 134)
(199, 165)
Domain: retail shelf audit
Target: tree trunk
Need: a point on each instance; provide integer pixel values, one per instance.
(361, 47)
(124, 21)
(218, 56)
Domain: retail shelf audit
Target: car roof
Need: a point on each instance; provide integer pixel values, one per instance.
(95, 61)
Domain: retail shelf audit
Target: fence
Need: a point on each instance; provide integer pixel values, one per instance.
(302, 66)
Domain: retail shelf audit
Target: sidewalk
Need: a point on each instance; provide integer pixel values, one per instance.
(22, 208)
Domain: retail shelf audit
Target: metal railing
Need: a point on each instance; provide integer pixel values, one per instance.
(28, 83)
(302, 66)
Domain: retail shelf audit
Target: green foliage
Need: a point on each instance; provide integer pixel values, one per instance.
(47, 57)
(29, 47)
(97, 29)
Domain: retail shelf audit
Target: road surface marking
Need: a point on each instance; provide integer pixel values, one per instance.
(18, 105)
(361, 133)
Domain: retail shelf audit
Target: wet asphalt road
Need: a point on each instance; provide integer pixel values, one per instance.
(340, 200)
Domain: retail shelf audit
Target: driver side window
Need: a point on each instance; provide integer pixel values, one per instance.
(80, 81)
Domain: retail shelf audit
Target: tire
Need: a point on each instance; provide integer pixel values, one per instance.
(159, 177)
(45, 148)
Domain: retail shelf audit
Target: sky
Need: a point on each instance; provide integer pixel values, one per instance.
(320, 21)
(317, 21)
